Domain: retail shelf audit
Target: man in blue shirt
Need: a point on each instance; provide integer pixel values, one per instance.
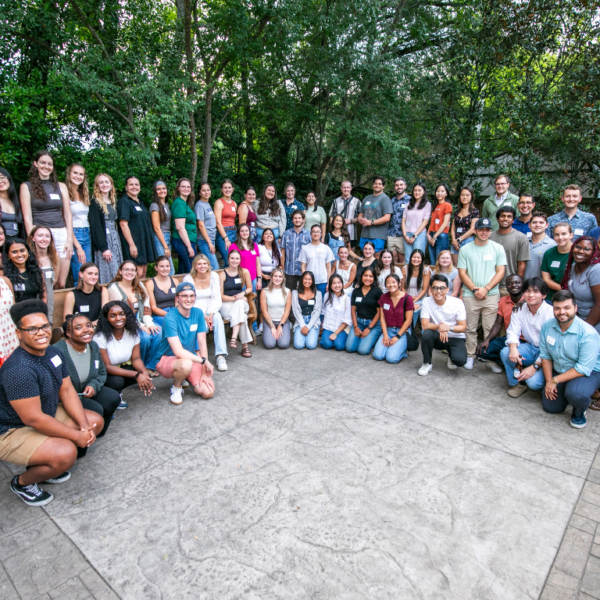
(184, 330)
(292, 242)
(395, 240)
(581, 222)
(569, 349)
(525, 206)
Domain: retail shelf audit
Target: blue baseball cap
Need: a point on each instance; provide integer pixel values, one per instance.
(483, 223)
(185, 286)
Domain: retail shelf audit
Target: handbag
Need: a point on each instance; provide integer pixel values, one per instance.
(412, 341)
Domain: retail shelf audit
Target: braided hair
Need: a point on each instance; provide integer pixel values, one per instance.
(131, 323)
(594, 260)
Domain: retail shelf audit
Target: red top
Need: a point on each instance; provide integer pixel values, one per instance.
(228, 213)
(437, 217)
(394, 315)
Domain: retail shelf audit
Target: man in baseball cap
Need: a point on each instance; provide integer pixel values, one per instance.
(481, 267)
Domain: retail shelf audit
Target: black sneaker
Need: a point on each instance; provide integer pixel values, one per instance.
(32, 495)
(60, 479)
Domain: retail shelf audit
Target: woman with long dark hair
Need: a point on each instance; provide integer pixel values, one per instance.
(414, 220)
(416, 280)
(8, 333)
(45, 201)
(369, 260)
(225, 210)
(207, 227)
(463, 221)
(270, 213)
(315, 215)
(246, 212)
(337, 319)
(339, 237)
(439, 226)
(160, 213)
(21, 268)
(10, 206)
(79, 199)
(307, 303)
(365, 329)
(42, 246)
(185, 232)
(249, 254)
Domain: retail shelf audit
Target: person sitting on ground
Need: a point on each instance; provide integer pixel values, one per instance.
(489, 350)
(42, 421)
(184, 330)
(570, 353)
(276, 305)
(87, 369)
(396, 316)
(307, 304)
(118, 337)
(161, 290)
(336, 315)
(521, 358)
(88, 297)
(444, 322)
(365, 330)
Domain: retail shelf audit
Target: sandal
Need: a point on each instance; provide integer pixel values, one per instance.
(246, 353)
(233, 343)
(595, 405)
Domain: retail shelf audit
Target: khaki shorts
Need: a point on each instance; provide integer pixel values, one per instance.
(18, 445)
(395, 243)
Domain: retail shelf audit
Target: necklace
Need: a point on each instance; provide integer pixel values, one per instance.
(24, 278)
(86, 348)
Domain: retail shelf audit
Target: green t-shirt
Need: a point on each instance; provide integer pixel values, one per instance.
(480, 263)
(180, 210)
(554, 263)
(314, 217)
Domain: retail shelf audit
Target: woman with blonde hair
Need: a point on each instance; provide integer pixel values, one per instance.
(106, 245)
(79, 198)
(42, 247)
(276, 305)
(236, 284)
(209, 301)
(445, 266)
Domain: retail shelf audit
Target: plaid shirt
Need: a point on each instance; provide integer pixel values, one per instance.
(292, 244)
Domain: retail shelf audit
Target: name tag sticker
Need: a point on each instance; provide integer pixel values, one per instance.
(550, 340)
(48, 274)
(135, 304)
(578, 232)
(56, 361)
(487, 257)
(233, 208)
(367, 203)
(253, 252)
(97, 364)
(84, 308)
(570, 282)
(311, 302)
(107, 230)
(237, 280)
(459, 229)
(54, 197)
(555, 264)
(529, 234)
(359, 300)
(194, 327)
(437, 221)
(172, 290)
(138, 208)
(507, 203)
(386, 307)
(19, 287)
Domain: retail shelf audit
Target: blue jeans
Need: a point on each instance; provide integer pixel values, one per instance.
(203, 248)
(220, 243)
(259, 233)
(339, 343)
(577, 392)
(149, 348)
(529, 354)
(160, 250)
(83, 236)
(158, 320)
(184, 265)
(463, 243)
(322, 287)
(420, 244)
(493, 351)
(363, 345)
(442, 243)
(219, 335)
(308, 341)
(394, 354)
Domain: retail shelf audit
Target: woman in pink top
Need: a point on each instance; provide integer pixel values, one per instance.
(414, 220)
(250, 256)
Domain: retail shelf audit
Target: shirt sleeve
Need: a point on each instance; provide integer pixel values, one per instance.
(124, 209)
(101, 341)
(595, 274)
(545, 259)
(216, 301)
(513, 333)
(199, 210)
(544, 354)
(329, 255)
(20, 382)
(589, 348)
(425, 310)
(153, 207)
(427, 212)
(386, 207)
(500, 256)
(302, 258)
(347, 314)
(410, 305)
(169, 326)
(202, 328)
(524, 253)
(178, 210)
(461, 313)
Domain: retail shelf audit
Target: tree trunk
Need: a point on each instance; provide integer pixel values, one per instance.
(207, 141)
(248, 129)
(189, 55)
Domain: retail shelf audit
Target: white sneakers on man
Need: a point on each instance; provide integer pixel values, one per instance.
(490, 364)
(469, 364)
(176, 395)
(451, 365)
(425, 369)
(221, 363)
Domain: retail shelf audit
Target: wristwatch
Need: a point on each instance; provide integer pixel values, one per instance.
(553, 380)
(203, 360)
(536, 366)
(451, 327)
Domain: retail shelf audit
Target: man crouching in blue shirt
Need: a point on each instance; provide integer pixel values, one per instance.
(42, 421)
(184, 330)
(569, 349)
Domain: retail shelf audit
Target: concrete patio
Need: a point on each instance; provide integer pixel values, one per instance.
(320, 475)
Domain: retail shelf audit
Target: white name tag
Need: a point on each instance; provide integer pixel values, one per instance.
(578, 232)
(209, 212)
(507, 203)
(358, 299)
(172, 290)
(459, 229)
(107, 230)
(97, 364)
(56, 361)
(367, 203)
(54, 197)
(386, 307)
(555, 264)
(84, 308)
(237, 280)
(19, 287)
(194, 327)
(233, 208)
(48, 274)
(253, 252)
(487, 257)
(135, 305)
(550, 340)
(138, 208)
(437, 221)
(528, 234)
(311, 302)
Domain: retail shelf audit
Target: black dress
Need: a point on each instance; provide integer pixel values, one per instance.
(140, 227)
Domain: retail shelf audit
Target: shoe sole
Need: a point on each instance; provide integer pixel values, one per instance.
(424, 374)
(177, 403)
(33, 502)
(61, 481)
(452, 367)
(121, 407)
(577, 426)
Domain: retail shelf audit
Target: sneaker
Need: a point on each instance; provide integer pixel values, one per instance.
(221, 363)
(185, 384)
(176, 395)
(579, 422)
(60, 479)
(425, 368)
(495, 368)
(470, 363)
(122, 404)
(451, 365)
(32, 495)
(517, 390)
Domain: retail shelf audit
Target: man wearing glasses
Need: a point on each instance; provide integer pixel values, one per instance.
(42, 421)
(502, 198)
(444, 322)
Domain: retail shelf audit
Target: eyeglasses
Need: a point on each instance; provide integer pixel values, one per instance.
(437, 288)
(128, 271)
(501, 183)
(47, 328)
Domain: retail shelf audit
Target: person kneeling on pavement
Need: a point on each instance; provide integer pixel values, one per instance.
(569, 349)
(521, 359)
(184, 330)
(42, 420)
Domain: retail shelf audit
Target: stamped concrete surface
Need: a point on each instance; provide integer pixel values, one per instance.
(317, 475)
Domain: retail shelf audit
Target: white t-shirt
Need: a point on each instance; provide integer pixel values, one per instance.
(119, 351)
(316, 259)
(79, 214)
(450, 312)
(268, 261)
(384, 273)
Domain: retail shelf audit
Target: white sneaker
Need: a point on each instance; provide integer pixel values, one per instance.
(176, 395)
(221, 363)
(469, 364)
(451, 365)
(185, 384)
(426, 368)
(494, 367)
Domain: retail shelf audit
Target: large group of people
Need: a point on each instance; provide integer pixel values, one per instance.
(355, 279)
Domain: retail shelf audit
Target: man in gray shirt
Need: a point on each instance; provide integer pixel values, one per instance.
(375, 214)
(539, 242)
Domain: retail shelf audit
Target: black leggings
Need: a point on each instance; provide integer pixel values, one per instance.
(455, 346)
(118, 383)
(104, 403)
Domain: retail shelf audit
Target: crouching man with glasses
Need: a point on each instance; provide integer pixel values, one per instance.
(42, 421)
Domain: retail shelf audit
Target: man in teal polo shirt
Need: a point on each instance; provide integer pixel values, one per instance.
(569, 349)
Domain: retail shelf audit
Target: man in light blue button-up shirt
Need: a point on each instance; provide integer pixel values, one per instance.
(569, 349)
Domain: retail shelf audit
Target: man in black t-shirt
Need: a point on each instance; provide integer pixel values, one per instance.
(42, 421)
